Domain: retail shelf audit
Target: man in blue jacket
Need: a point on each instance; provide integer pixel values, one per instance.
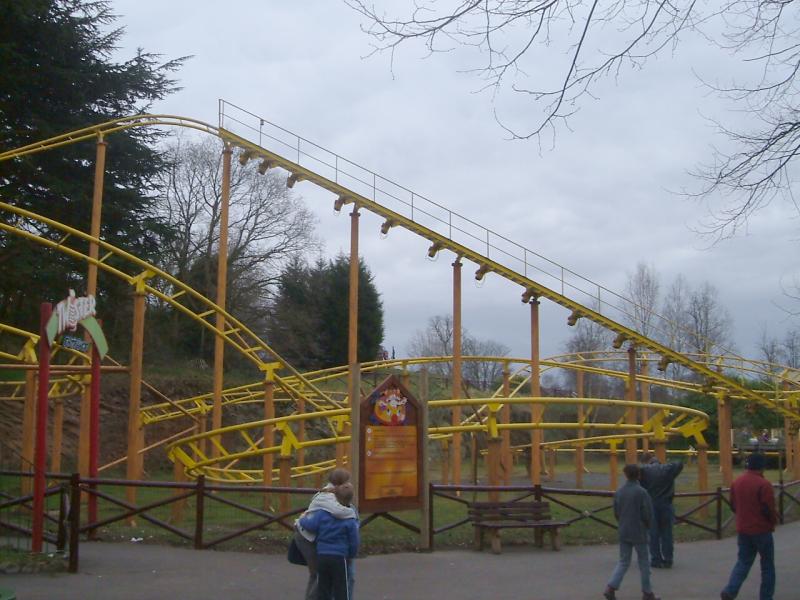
(659, 481)
(337, 541)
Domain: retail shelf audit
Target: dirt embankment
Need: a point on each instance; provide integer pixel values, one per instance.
(113, 421)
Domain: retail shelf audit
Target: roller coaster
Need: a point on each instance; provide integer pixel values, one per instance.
(315, 407)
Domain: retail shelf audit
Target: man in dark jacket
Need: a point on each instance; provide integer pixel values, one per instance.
(634, 511)
(659, 481)
(753, 501)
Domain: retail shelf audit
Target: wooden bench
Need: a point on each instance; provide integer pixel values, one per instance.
(494, 516)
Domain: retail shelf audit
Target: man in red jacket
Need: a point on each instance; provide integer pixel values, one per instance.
(753, 502)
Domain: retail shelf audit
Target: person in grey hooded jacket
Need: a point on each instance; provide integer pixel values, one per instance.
(325, 500)
(634, 512)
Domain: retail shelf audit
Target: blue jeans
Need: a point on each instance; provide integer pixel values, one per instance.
(749, 546)
(625, 552)
(661, 544)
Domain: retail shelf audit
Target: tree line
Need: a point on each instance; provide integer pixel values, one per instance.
(161, 201)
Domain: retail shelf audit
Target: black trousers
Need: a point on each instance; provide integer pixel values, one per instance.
(332, 577)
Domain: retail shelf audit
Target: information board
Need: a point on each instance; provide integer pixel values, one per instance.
(391, 449)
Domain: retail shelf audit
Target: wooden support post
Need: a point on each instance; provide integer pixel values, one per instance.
(58, 435)
(354, 368)
(551, 464)
(425, 528)
(91, 289)
(445, 461)
(537, 410)
(493, 465)
(702, 474)
(455, 450)
(660, 447)
(724, 435)
(83, 431)
(133, 466)
(222, 283)
(301, 434)
(613, 466)
(787, 444)
(506, 462)
(796, 444)
(285, 470)
(178, 509)
(28, 430)
(645, 390)
(474, 454)
(269, 435)
(631, 411)
(405, 377)
(580, 463)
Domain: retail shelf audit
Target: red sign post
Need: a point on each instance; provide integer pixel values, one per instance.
(40, 455)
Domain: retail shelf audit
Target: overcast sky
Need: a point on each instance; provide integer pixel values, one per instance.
(599, 202)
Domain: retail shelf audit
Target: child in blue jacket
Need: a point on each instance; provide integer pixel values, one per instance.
(337, 541)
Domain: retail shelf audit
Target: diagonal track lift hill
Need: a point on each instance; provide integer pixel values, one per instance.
(474, 243)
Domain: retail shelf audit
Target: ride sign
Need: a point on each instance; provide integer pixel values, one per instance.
(391, 449)
(74, 310)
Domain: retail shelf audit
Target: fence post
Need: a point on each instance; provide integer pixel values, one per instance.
(719, 513)
(74, 520)
(537, 492)
(780, 500)
(63, 504)
(430, 517)
(199, 512)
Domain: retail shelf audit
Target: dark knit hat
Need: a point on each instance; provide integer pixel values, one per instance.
(756, 462)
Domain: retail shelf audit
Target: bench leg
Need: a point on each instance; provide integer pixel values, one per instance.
(555, 539)
(495, 541)
(538, 537)
(479, 538)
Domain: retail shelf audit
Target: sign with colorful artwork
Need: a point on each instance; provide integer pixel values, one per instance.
(72, 311)
(391, 449)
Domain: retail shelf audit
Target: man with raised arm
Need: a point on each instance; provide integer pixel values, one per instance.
(659, 481)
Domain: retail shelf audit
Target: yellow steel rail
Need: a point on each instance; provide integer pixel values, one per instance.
(196, 460)
(60, 387)
(236, 334)
(531, 288)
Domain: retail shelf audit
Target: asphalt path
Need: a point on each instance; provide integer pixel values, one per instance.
(134, 571)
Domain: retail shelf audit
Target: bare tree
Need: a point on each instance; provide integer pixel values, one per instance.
(709, 321)
(642, 289)
(770, 350)
(790, 349)
(268, 224)
(483, 374)
(675, 310)
(437, 340)
(584, 41)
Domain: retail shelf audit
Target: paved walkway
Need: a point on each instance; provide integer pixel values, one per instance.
(139, 572)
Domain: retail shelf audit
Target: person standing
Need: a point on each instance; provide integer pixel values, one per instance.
(659, 481)
(324, 500)
(337, 542)
(753, 501)
(634, 512)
